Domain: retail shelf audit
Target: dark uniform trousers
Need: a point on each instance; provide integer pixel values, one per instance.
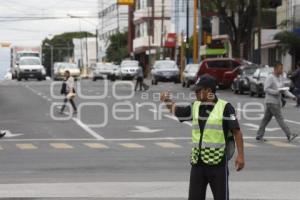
(215, 176)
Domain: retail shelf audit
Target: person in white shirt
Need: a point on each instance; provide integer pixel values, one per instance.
(69, 92)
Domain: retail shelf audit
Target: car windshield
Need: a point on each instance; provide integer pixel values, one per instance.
(193, 68)
(30, 62)
(265, 72)
(67, 66)
(130, 64)
(165, 65)
(249, 70)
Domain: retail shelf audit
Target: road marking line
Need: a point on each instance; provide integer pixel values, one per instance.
(293, 122)
(281, 144)
(61, 146)
(88, 129)
(168, 145)
(96, 146)
(132, 145)
(26, 146)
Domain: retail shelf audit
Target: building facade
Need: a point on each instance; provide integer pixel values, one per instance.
(288, 19)
(112, 18)
(152, 23)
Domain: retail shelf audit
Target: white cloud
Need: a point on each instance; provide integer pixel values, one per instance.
(33, 32)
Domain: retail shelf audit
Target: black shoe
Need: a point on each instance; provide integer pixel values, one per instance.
(292, 137)
(2, 134)
(260, 139)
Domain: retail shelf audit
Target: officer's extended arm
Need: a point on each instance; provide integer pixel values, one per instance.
(165, 97)
(240, 160)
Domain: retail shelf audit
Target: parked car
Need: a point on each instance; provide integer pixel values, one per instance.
(241, 83)
(30, 67)
(258, 79)
(165, 70)
(102, 70)
(128, 69)
(189, 75)
(217, 67)
(61, 67)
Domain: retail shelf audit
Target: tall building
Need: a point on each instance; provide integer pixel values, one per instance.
(152, 21)
(112, 18)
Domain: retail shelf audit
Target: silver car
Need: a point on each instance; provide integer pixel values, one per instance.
(189, 74)
(128, 69)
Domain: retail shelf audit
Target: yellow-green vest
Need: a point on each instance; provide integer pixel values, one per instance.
(212, 147)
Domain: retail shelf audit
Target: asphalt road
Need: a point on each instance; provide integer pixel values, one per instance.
(124, 145)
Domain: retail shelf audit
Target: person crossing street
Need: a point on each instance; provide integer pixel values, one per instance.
(140, 80)
(68, 89)
(274, 88)
(215, 133)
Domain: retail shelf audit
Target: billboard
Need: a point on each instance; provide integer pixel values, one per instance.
(125, 2)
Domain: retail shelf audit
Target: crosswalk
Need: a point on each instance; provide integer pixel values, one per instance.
(134, 145)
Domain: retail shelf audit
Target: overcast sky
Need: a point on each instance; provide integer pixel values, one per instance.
(32, 32)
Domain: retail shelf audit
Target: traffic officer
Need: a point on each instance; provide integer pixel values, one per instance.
(214, 135)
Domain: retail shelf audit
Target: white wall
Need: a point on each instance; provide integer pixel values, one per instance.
(80, 50)
(109, 23)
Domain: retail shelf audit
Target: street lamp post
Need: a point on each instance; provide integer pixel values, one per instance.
(51, 62)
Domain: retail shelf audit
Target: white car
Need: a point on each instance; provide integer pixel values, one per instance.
(102, 70)
(128, 69)
(30, 67)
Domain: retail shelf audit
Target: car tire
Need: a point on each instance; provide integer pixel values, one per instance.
(94, 79)
(19, 78)
(183, 84)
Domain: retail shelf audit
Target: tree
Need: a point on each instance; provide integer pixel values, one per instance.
(62, 48)
(290, 42)
(239, 18)
(117, 49)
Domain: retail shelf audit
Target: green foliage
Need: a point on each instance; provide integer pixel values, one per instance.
(62, 47)
(117, 49)
(290, 41)
(239, 31)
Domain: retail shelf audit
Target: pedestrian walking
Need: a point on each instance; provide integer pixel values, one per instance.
(296, 80)
(68, 89)
(215, 133)
(140, 80)
(274, 88)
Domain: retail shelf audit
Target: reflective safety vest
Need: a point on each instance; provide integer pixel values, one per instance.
(210, 146)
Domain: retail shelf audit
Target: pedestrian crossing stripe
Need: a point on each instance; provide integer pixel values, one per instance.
(281, 144)
(96, 146)
(163, 145)
(168, 145)
(26, 146)
(61, 146)
(132, 145)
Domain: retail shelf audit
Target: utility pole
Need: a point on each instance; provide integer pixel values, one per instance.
(195, 34)
(118, 19)
(149, 34)
(259, 31)
(162, 30)
(182, 60)
(97, 45)
(187, 29)
(199, 30)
